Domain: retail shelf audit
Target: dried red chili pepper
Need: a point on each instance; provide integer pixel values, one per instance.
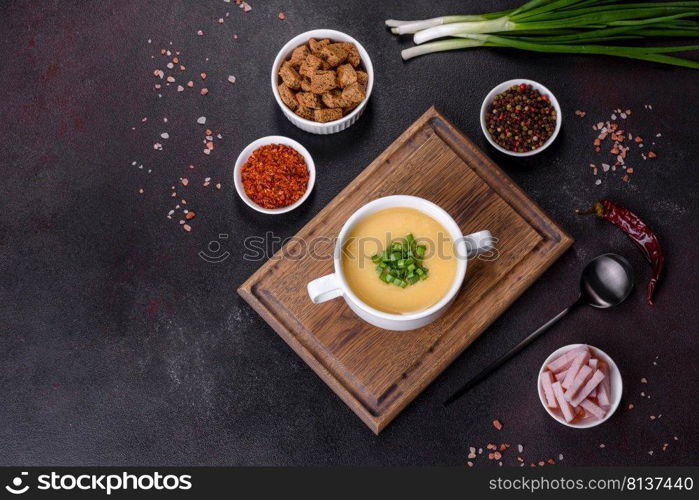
(637, 230)
(275, 176)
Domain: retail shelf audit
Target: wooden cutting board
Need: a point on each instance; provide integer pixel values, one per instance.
(378, 372)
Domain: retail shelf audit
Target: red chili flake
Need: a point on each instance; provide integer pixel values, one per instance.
(275, 176)
(497, 424)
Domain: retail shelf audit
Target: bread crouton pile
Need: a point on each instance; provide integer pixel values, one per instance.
(322, 80)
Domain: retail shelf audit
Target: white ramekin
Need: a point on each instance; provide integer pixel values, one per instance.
(503, 87)
(335, 285)
(615, 383)
(310, 125)
(245, 154)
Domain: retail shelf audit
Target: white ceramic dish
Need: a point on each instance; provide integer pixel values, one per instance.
(334, 285)
(616, 387)
(245, 154)
(309, 125)
(503, 87)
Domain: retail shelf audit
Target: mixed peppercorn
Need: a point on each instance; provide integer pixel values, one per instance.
(275, 176)
(521, 119)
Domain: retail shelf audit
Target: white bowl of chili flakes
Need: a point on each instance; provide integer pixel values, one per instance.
(269, 174)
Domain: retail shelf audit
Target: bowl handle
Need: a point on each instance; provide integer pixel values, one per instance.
(478, 243)
(325, 288)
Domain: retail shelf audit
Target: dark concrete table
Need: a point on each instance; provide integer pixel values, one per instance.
(121, 346)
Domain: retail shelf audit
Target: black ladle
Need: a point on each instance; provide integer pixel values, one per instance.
(605, 282)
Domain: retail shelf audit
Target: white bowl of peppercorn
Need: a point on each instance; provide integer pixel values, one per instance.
(520, 117)
(274, 174)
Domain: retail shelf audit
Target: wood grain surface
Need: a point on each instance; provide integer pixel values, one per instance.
(378, 372)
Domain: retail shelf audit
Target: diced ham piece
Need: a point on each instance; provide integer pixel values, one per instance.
(564, 360)
(546, 382)
(587, 389)
(560, 376)
(581, 359)
(593, 364)
(603, 390)
(603, 396)
(592, 408)
(566, 409)
(579, 380)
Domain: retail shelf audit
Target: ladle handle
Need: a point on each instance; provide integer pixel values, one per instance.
(507, 356)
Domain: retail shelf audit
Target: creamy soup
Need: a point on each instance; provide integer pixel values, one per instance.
(373, 234)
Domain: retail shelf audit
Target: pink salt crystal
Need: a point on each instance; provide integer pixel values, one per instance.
(592, 408)
(565, 407)
(546, 381)
(581, 359)
(583, 393)
(579, 380)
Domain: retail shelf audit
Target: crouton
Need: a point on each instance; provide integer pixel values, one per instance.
(308, 100)
(290, 76)
(316, 45)
(304, 113)
(306, 84)
(346, 75)
(327, 115)
(362, 77)
(353, 56)
(348, 109)
(310, 65)
(287, 96)
(334, 54)
(333, 99)
(353, 94)
(299, 55)
(323, 81)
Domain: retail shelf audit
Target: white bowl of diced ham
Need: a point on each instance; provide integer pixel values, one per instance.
(580, 386)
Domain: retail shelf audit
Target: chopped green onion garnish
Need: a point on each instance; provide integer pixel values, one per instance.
(401, 263)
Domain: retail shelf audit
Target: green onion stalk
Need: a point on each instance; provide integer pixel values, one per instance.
(564, 26)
